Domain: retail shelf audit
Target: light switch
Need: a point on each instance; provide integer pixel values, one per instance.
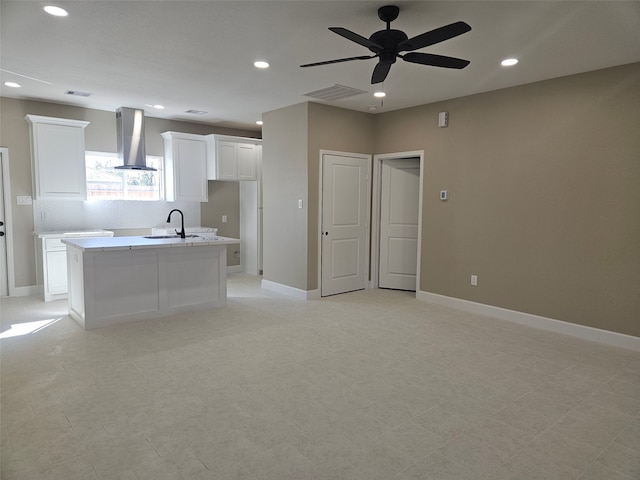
(299, 203)
(23, 200)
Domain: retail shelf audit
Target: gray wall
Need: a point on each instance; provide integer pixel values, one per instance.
(224, 199)
(100, 135)
(544, 185)
(543, 179)
(285, 173)
(331, 129)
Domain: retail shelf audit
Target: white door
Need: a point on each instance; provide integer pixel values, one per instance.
(345, 194)
(3, 239)
(399, 223)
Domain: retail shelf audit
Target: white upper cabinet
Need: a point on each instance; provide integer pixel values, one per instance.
(57, 154)
(233, 158)
(185, 167)
(247, 161)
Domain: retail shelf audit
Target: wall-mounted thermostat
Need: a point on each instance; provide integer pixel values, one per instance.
(444, 194)
(443, 119)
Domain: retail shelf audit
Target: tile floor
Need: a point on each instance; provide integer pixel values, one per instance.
(362, 386)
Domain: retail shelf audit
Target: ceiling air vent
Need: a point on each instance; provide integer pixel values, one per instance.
(195, 112)
(77, 93)
(336, 92)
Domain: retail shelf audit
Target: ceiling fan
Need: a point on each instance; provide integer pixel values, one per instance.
(388, 45)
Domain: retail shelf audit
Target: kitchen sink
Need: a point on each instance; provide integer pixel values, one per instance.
(156, 237)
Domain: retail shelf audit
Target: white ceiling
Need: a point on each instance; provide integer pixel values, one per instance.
(199, 54)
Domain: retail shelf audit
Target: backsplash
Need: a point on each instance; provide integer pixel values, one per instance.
(57, 215)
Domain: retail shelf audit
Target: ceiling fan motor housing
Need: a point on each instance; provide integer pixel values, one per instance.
(388, 40)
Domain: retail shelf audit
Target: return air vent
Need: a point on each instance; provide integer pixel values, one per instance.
(77, 93)
(336, 92)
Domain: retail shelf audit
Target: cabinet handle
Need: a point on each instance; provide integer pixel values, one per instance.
(1, 234)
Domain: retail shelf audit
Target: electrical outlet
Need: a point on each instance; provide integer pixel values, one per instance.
(474, 280)
(224, 219)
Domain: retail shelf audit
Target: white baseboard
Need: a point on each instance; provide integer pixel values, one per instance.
(580, 331)
(24, 291)
(291, 291)
(234, 268)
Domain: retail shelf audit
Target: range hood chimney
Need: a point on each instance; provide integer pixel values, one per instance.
(130, 131)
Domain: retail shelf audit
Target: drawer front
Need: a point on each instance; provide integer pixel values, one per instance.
(54, 244)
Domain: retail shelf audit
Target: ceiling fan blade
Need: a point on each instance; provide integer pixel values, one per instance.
(354, 37)
(327, 62)
(380, 72)
(435, 60)
(434, 36)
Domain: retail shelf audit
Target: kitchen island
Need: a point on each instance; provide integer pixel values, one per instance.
(123, 279)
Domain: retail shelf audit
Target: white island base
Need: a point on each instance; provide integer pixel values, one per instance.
(117, 285)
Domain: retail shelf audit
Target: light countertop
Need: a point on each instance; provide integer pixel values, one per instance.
(73, 233)
(130, 243)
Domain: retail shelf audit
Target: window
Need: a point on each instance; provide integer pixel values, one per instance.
(104, 182)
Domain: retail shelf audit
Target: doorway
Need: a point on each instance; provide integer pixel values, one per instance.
(397, 220)
(344, 216)
(5, 222)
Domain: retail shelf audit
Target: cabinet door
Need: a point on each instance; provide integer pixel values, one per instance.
(56, 281)
(58, 157)
(247, 164)
(227, 160)
(190, 169)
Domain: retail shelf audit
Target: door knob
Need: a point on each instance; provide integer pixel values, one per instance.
(1, 234)
(1, 223)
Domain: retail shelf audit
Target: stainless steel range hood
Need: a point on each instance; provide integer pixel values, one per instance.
(130, 131)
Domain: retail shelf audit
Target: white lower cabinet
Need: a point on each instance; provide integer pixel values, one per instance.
(56, 267)
(51, 258)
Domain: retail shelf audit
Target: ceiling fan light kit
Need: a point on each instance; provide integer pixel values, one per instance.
(388, 45)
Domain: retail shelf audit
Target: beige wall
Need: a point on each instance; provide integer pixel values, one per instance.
(543, 181)
(224, 199)
(285, 172)
(544, 186)
(336, 129)
(100, 135)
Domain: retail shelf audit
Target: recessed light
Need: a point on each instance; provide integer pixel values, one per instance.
(509, 62)
(158, 107)
(259, 122)
(56, 11)
(379, 94)
(12, 84)
(261, 64)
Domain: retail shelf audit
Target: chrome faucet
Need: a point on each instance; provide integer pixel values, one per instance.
(181, 232)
